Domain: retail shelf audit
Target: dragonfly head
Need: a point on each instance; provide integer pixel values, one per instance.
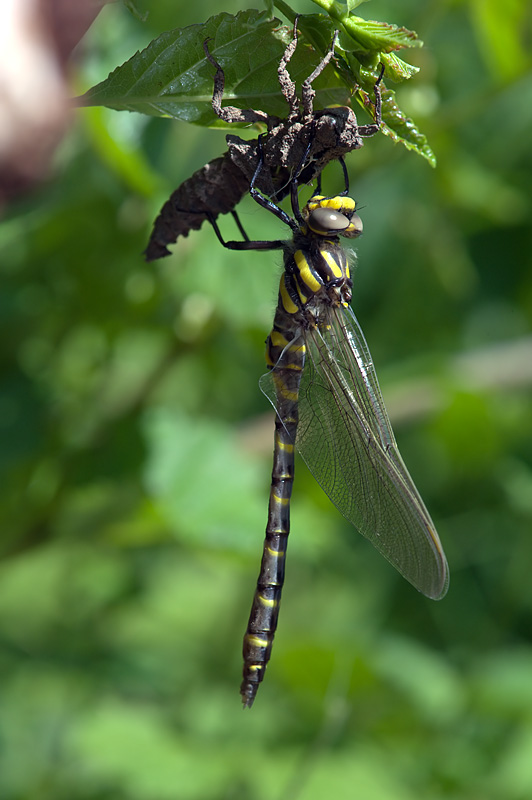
(332, 216)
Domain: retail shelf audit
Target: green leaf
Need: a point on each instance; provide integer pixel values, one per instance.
(319, 30)
(359, 72)
(373, 35)
(396, 125)
(396, 69)
(172, 76)
(370, 36)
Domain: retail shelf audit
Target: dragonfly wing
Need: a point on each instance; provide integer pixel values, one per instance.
(345, 437)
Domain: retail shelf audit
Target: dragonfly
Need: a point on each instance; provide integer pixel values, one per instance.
(323, 386)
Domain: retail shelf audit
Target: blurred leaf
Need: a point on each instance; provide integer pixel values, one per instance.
(512, 777)
(132, 6)
(503, 34)
(423, 676)
(333, 772)
(467, 428)
(132, 747)
(82, 579)
(186, 457)
(503, 684)
(129, 163)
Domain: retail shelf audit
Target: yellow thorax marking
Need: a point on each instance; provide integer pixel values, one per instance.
(305, 272)
(288, 303)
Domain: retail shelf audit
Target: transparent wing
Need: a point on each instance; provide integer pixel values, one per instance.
(345, 437)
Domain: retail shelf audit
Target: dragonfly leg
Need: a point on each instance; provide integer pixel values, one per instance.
(229, 113)
(307, 92)
(371, 130)
(288, 86)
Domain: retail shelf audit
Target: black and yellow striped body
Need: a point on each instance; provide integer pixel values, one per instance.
(316, 275)
(323, 386)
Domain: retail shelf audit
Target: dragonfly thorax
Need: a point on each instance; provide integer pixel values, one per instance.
(316, 272)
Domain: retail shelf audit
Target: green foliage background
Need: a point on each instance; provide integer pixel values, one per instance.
(136, 452)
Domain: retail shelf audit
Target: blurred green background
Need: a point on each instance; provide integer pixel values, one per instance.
(136, 458)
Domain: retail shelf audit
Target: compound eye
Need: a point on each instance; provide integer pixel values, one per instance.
(325, 220)
(355, 226)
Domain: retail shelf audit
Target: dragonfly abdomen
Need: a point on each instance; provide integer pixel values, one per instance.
(262, 622)
(309, 270)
